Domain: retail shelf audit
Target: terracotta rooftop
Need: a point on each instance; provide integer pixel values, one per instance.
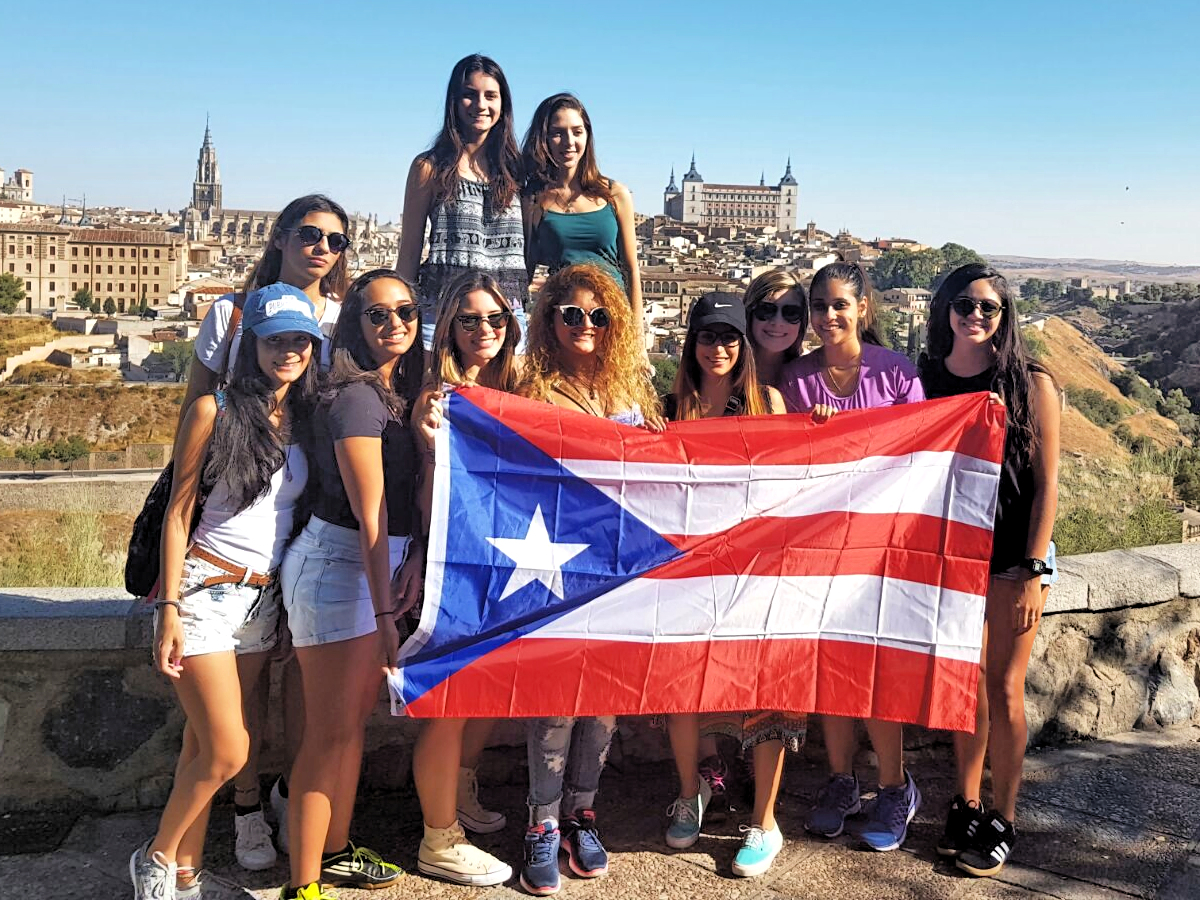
(124, 236)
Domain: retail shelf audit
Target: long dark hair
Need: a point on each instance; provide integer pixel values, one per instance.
(246, 449)
(266, 270)
(445, 364)
(539, 164)
(352, 360)
(853, 275)
(1013, 375)
(500, 147)
(744, 377)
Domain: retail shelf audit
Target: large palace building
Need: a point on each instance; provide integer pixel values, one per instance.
(745, 205)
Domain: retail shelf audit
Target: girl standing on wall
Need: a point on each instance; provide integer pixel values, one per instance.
(217, 617)
(573, 214)
(583, 355)
(975, 344)
(467, 187)
(352, 573)
(851, 370)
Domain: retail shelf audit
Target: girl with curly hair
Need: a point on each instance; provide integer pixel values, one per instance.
(584, 356)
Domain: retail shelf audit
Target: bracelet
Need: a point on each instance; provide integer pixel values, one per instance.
(159, 604)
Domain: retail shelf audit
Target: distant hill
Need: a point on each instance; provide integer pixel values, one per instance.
(108, 417)
(1105, 270)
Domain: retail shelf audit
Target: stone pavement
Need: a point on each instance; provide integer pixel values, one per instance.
(1098, 821)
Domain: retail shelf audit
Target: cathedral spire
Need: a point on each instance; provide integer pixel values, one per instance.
(788, 178)
(206, 187)
(671, 186)
(692, 174)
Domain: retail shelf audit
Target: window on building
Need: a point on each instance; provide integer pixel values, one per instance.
(51, 299)
(156, 289)
(122, 253)
(109, 287)
(156, 270)
(28, 267)
(144, 272)
(74, 285)
(122, 272)
(12, 267)
(97, 285)
(87, 251)
(29, 285)
(52, 288)
(74, 268)
(110, 249)
(53, 250)
(110, 270)
(28, 250)
(145, 253)
(121, 287)
(12, 251)
(74, 251)
(156, 254)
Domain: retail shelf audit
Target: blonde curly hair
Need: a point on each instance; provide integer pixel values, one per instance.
(620, 369)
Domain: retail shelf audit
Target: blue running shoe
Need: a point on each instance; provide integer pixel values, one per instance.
(585, 853)
(891, 812)
(758, 851)
(838, 799)
(539, 875)
(686, 816)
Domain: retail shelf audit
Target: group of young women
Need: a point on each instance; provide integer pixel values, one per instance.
(306, 443)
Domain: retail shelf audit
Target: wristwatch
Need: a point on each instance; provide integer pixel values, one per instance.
(1036, 566)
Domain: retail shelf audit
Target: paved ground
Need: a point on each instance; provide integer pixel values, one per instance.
(1097, 822)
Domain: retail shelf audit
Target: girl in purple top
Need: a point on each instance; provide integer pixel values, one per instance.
(852, 370)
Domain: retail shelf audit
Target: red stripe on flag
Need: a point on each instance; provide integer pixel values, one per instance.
(968, 424)
(541, 677)
(909, 547)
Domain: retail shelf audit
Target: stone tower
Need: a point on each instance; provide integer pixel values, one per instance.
(789, 192)
(693, 195)
(670, 195)
(206, 188)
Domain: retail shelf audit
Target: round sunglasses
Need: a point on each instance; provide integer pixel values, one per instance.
(573, 316)
(707, 338)
(766, 311)
(381, 315)
(964, 306)
(310, 235)
(469, 322)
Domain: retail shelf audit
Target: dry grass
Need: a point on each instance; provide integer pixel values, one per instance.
(48, 373)
(109, 417)
(19, 334)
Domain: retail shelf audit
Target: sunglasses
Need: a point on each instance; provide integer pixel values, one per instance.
(766, 311)
(964, 306)
(310, 235)
(573, 316)
(381, 315)
(708, 338)
(470, 322)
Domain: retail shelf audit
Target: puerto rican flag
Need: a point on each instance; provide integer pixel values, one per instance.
(582, 567)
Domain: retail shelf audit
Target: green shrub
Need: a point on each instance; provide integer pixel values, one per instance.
(1086, 530)
(1100, 410)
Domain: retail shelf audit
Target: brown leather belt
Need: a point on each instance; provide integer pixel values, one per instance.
(237, 574)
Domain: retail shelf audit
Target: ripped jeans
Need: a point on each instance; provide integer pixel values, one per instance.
(566, 751)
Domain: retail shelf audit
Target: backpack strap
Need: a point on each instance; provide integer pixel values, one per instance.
(219, 396)
(235, 319)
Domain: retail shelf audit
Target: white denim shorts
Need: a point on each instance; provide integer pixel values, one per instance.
(1016, 572)
(234, 617)
(325, 590)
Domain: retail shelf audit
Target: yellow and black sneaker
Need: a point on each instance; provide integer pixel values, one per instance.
(308, 892)
(358, 867)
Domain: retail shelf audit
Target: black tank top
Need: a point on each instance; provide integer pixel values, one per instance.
(1015, 503)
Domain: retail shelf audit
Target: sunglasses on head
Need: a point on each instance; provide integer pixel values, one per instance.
(708, 338)
(766, 311)
(964, 306)
(381, 315)
(573, 316)
(469, 322)
(310, 235)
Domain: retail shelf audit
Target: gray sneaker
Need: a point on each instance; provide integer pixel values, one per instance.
(838, 799)
(152, 876)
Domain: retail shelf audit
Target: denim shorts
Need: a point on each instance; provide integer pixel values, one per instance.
(429, 325)
(1048, 579)
(234, 617)
(325, 590)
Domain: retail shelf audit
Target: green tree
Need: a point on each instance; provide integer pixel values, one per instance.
(12, 292)
(907, 268)
(110, 307)
(955, 255)
(1101, 410)
(179, 355)
(664, 374)
(97, 306)
(1031, 289)
(83, 299)
(887, 326)
(32, 454)
(1187, 478)
(69, 450)
(1033, 342)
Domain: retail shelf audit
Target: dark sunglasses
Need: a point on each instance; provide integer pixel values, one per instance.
(573, 316)
(381, 315)
(766, 311)
(310, 235)
(469, 322)
(964, 306)
(724, 338)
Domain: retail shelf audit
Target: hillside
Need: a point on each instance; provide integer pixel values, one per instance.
(108, 417)
(19, 334)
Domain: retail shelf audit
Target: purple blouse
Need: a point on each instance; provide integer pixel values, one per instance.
(886, 378)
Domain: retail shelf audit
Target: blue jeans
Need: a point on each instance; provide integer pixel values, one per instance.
(566, 751)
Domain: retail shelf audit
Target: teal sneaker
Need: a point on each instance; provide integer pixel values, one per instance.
(759, 849)
(686, 816)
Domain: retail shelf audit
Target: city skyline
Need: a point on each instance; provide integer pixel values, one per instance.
(1012, 129)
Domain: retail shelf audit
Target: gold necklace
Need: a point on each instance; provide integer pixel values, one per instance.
(576, 395)
(839, 388)
(568, 206)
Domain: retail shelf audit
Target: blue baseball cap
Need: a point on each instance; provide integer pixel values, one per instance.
(280, 307)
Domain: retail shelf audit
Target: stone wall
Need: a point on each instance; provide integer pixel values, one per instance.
(84, 721)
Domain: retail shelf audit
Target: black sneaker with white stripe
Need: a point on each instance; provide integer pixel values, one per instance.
(962, 821)
(994, 840)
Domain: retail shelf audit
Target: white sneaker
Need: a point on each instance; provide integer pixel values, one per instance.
(152, 876)
(253, 847)
(445, 853)
(279, 805)
(471, 814)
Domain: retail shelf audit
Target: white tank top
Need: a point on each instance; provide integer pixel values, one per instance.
(256, 536)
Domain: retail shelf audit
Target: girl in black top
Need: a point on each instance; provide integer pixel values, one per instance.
(975, 345)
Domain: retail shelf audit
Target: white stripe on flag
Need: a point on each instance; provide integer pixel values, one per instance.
(686, 499)
(861, 608)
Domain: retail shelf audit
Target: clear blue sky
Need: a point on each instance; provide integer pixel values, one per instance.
(1012, 127)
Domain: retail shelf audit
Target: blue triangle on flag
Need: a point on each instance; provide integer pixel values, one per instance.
(498, 483)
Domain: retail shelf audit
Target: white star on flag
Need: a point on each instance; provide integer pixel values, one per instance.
(537, 557)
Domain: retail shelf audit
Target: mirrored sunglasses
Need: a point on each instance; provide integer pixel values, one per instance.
(310, 235)
(573, 316)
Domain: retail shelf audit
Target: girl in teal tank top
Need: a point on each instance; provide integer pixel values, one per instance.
(573, 214)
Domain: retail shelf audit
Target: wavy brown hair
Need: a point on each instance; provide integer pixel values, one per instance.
(690, 376)
(540, 168)
(761, 289)
(446, 365)
(499, 148)
(266, 270)
(620, 361)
